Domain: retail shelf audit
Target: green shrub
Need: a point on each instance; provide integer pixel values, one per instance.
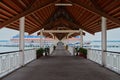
(54, 47)
(39, 52)
(83, 51)
(76, 51)
(66, 47)
(47, 51)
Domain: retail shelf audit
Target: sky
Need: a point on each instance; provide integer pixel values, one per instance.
(114, 34)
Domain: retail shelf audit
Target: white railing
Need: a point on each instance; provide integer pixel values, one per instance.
(112, 59)
(51, 50)
(95, 55)
(10, 61)
(29, 55)
(71, 50)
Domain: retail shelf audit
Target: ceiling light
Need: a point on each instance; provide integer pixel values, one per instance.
(63, 4)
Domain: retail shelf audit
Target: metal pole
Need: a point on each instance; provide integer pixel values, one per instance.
(21, 39)
(104, 40)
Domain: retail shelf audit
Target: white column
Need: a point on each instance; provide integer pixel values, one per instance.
(21, 40)
(56, 41)
(41, 34)
(41, 38)
(81, 38)
(104, 40)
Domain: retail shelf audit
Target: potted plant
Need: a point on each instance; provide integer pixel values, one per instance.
(76, 51)
(54, 47)
(39, 52)
(66, 47)
(83, 52)
(47, 51)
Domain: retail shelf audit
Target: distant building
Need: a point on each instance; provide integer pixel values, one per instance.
(32, 40)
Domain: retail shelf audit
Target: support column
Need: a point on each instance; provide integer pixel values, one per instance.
(104, 40)
(81, 38)
(21, 40)
(41, 35)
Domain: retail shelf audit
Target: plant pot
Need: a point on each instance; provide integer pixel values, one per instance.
(83, 52)
(82, 55)
(39, 55)
(39, 52)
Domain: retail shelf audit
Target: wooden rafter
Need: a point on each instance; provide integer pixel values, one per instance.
(79, 25)
(58, 21)
(27, 12)
(96, 11)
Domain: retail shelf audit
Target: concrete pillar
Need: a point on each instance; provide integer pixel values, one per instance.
(81, 38)
(56, 41)
(104, 40)
(21, 40)
(41, 36)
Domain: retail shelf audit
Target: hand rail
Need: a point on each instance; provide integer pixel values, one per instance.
(105, 51)
(96, 49)
(112, 52)
(10, 52)
(29, 49)
(15, 51)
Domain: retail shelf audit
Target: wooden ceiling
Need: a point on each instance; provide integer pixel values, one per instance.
(84, 14)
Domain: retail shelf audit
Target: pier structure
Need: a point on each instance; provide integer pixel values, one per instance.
(60, 19)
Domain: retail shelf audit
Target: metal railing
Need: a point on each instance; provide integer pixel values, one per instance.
(112, 59)
(10, 61)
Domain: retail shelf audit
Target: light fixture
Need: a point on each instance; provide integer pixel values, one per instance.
(63, 4)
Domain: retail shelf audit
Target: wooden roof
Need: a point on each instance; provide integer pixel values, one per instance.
(84, 14)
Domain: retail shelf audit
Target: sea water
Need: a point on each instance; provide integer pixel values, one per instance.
(111, 46)
(8, 49)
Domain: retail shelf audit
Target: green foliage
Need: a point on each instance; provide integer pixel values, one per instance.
(66, 47)
(77, 49)
(54, 47)
(83, 51)
(47, 51)
(39, 52)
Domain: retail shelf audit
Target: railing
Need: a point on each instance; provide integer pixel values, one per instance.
(112, 59)
(71, 50)
(29, 55)
(51, 50)
(95, 55)
(10, 61)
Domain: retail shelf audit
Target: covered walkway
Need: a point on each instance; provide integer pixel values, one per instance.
(62, 66)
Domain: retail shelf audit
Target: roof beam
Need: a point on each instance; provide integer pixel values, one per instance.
(69, 22)
(61, 31)
(96, 5)
(27, 12)
(79, 25)
(96, 11)
(58, 21)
